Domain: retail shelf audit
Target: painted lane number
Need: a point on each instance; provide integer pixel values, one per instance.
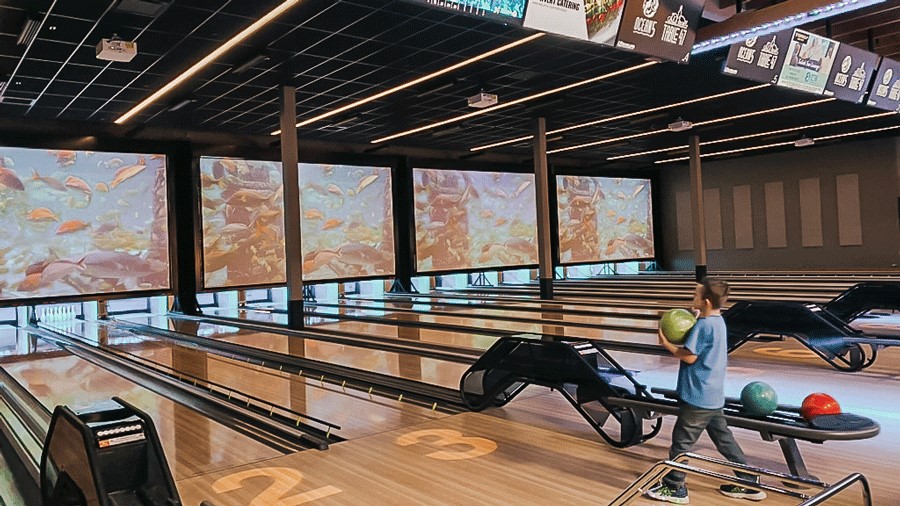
(478, 446)
(284, 480)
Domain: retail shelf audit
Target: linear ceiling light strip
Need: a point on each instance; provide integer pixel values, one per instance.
(513, 102)
(211, 57)
(622, 116)
(418, 81)
(698, 124)
(751, 136)
(777, 144)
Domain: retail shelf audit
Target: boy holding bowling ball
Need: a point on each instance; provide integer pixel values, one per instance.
(701, 395)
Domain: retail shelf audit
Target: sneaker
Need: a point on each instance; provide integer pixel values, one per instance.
(666, 493)
(737, 492)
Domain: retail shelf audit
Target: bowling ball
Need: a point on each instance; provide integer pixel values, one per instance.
(675, 324)
(819, 404)
(759, 399)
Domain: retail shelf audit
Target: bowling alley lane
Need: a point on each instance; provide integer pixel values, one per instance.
(426, 370)
(358, 413)
(500, 306)
(523, 314)
(193, 443)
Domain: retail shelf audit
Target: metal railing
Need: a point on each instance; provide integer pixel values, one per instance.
(826, 491)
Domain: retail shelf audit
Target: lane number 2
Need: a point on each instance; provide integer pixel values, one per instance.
(284, 479)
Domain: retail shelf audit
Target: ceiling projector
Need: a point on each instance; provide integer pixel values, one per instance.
(116, 50)
(482, 100)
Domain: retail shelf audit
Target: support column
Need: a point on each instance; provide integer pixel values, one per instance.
(184, 186)
(291, 179)
(404, 224)
(698, 216)
(542, 198)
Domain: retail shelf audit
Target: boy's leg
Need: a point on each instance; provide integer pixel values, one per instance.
(688, 428)
(724, 440)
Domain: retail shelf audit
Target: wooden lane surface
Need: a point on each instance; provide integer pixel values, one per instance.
(426, 370)
(193, 443)
(472, 458)
(357, 412)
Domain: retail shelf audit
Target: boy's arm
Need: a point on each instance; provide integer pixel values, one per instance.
(682, 354)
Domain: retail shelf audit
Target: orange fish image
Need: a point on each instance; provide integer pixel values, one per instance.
(621, 220)
(102, 188)
(332, 223)
(65, 158)
(42, 214)
(611, 213)
(252, 198)
(487, 213)
(314, 214)
(78, 184)
(31, 283)
(71, 226)
(128, 172)
(500, 221)
(333, 188)
(10, 180)
(49, 181)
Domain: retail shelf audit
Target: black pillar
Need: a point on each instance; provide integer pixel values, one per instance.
(404, 225)
(542, 190)
(698, 216)
(184, 227)
(291, 179)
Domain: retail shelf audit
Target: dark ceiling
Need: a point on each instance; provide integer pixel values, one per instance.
(342, 50)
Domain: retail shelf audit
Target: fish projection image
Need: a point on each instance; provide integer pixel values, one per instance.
(80, 223)
(243, 222)
(603, 219)
(347, 226)
(346, 222)
(470, 220)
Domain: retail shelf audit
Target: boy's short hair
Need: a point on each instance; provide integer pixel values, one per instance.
(715, 291)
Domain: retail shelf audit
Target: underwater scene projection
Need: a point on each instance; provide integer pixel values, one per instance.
(603, 219)
(470, 220)
(347, 227)
(82, 222)
(242, 212)
(346, 222)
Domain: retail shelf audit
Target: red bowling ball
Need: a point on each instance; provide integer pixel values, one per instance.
(819, 404)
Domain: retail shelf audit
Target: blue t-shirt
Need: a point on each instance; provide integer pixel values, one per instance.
(702, 384)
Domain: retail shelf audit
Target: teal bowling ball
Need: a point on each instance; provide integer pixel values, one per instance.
(675, 324)
(759, 399)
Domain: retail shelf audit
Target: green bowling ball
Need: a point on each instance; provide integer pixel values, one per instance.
(759, 399)
(675, 324)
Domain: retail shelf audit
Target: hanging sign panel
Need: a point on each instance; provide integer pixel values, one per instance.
(661, 28)
(851, 74)
(759, 58)
(502, 10)
(885, 92)
(594, 20)
(808, 62)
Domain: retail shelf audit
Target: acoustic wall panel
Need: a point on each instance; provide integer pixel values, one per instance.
(683, 218)
(810, 213)
(712, 211)
(849, 221)
(743, 217)
(776, 231)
